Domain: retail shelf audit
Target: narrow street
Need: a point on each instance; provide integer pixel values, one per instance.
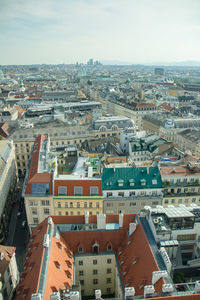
(18, 234)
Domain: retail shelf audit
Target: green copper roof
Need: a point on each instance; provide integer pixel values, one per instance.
(131, 178)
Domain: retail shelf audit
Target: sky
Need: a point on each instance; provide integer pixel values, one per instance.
(67, 31)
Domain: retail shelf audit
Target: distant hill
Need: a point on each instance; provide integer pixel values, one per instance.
(178, 64)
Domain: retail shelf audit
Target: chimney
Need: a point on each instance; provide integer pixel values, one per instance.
(50, 221)
(121, 215)
(97, 294)
(74, 295)
(36, 296)
(148, 291)
(101, 221)
(156, 275)
(46, 241)
(167, 288)
(129, 293)
(86, 217)
(197, 287)
(132, 228)
(55, 296)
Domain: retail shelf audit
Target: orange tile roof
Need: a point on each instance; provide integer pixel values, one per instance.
(60, 268)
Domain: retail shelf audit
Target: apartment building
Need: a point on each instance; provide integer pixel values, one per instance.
(8, 180)
(9, 272)
(111, 256)
(180, 185)
(129, 189)
(60, 133)
(142, 150)
(177, 229)
(52, 190)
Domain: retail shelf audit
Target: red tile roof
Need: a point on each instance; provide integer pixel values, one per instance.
(135, 252)
(60, 268)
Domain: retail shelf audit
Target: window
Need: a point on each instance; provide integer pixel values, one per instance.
(46, 211)
(109, 260)
(35, 220)
(109, 194)
(60, 213)
(78, 213)
(155, 202)
(121, 204)
(71, 204)
(108, 290)
(95, 272)
(94, 261)
(132, 203)
(78, 205)
(132, 194)
(95, 281)
(109, 271)
(34, 211)
(78, 190)
(59, 204)
(97, 205)
(81, 273)
(80, 250)
(62, 190)
(121, 194)
(193, 200)
(108, 280)
(66, 213)
(66, 204)
(82, 283)
(85, 204)
(166, 201)
(80, 262)
(94, 190)
(71, 213)
(109, 248)
(179, 200)
(90, 205)
(45, 202)
(32, 203)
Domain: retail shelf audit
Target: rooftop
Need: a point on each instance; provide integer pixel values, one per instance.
(131, 178)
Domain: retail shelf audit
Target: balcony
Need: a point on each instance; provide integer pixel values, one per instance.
(180, 184)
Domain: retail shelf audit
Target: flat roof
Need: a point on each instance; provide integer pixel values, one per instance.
(178, 212)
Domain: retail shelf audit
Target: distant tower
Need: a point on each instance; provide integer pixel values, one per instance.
(1, 75)
(22, 88)
(159, 71)
(90, 62)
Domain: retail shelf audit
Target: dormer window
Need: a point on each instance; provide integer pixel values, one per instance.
(131, 182)
(95, 248)
(80, 250)
(109, 247)
(120, 182)
(143, 182)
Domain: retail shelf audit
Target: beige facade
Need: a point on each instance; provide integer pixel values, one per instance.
(24, 139)
(77, 205)
(180, 187)
(37, 209)
(9, 273)
(8, 180)
(98, 272)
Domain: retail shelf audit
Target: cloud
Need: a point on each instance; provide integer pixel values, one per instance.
(131, 30)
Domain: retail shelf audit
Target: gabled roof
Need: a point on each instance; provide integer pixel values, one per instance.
(135, 251)
(111, 177)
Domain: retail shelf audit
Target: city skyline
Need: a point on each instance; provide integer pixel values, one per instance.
(139, 32)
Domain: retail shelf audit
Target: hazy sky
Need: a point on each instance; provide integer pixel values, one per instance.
(137, 31)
